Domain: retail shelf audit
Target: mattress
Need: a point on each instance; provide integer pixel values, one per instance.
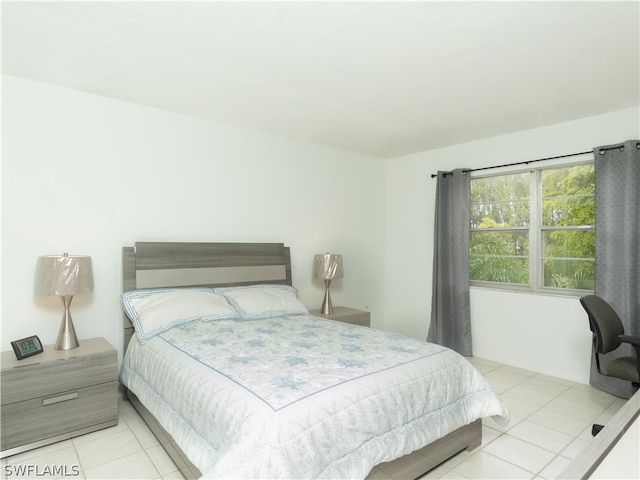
(301, 396)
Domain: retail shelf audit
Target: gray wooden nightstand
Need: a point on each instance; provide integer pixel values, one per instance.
(57, 394)
(347, 315)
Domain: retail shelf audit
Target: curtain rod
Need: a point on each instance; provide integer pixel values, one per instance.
(526, 162)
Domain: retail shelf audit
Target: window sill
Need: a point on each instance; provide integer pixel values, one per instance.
(505, 288)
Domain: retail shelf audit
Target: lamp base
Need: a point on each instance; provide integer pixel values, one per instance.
(67, 339)
(327, 308)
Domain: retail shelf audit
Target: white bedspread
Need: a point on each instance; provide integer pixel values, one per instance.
(302, 397)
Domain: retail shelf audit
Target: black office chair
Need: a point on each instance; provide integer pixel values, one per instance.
(608, 335)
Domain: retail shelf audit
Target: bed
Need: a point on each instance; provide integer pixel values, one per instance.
(237, 380)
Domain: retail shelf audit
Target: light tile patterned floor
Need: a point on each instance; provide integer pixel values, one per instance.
(550, 425)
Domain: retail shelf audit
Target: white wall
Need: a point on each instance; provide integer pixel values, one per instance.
(88, 175)
(548, 334)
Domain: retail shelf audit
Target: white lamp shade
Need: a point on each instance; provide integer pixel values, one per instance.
(63, 275)
(327, 266)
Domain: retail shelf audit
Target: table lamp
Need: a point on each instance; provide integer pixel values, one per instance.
(65, 276)
(327, 266)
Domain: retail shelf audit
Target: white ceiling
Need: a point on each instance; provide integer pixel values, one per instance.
(381, 78)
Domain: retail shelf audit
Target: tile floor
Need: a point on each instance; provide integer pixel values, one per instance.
(550, 425)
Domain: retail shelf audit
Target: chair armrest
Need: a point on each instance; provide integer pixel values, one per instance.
(635, 341)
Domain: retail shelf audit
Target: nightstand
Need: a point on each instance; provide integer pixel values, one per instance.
(57, 394)
(347, 315)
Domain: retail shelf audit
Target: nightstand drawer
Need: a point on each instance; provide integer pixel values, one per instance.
(48, 378)
(44, 417)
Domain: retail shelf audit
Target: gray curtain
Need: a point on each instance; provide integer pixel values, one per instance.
(450, 311)
(617, 173)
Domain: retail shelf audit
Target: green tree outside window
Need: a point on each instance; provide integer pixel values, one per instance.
(534, 229)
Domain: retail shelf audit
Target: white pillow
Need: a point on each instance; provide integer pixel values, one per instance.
(264, 301)
(157, 310)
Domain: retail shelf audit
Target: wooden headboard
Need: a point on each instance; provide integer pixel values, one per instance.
(171, 264)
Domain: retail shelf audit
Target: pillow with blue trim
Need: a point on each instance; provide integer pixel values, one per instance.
(155, 311)
(264, 301)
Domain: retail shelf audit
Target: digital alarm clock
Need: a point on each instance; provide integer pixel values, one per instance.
(26, 347)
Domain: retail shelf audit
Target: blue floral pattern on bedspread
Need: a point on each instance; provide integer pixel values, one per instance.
(284, 360)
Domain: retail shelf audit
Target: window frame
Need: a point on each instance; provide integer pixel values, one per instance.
(536, 231)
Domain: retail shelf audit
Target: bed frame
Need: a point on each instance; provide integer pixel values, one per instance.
(169, 264)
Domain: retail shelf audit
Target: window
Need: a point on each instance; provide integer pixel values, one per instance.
(534, 230)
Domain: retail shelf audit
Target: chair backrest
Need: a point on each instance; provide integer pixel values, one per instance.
(605, 323)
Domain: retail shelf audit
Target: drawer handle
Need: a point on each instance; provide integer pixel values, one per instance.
(61, 398)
